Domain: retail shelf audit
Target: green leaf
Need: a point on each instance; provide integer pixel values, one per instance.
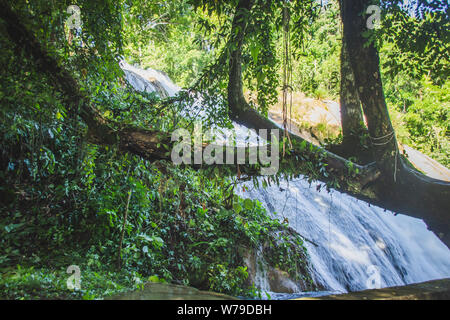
(154, 279)
(254, 51)
(248, 204)
(237, 207)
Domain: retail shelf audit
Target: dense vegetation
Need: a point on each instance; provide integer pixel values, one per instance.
(68, 200)
(64, 200)
(416, 91)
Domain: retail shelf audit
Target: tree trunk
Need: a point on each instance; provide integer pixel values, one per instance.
(365, 63)
(241, 112)
(352, 121)
(399, 186)
(351, 112)
(236, 97)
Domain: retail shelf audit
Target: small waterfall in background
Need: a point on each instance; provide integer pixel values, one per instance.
(352, 246)
(149, 80)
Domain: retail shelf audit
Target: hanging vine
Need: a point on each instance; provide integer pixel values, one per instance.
(287, 76)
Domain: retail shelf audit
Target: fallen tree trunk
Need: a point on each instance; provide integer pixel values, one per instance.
(150, 144)
(101, 130)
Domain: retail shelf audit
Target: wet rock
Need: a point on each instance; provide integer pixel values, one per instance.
(280, 281)
(430, 290)
(165, 291)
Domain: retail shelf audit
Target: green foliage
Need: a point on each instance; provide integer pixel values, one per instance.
(261, 53)
(414, 72)
(178, 227)
(165, 36)
(25, 283)
(316, 71)
(428, 24)
(260, 61)
(421, 115)
(63, 199)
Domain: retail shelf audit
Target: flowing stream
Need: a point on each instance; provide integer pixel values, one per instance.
(352, 246)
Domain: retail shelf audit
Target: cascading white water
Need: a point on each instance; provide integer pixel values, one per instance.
(149, 80)
(352, 246)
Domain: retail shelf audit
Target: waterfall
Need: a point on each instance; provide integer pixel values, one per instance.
(149, 80)
(351, 245)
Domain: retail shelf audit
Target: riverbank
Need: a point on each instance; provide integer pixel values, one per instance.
(430, 290)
